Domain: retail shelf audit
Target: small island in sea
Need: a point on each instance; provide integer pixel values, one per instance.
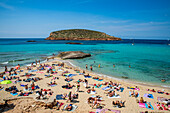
(80, 34)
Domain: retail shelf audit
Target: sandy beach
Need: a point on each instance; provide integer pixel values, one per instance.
(23, 104)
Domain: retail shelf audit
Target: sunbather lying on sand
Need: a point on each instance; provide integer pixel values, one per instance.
(52, 83)
(69, 107)
(55, 104)
(141, 100)
(119, 104)
(159, 106)
(69, 86)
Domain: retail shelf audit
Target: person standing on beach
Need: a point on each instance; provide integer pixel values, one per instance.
(78, 87)
(36, 62)
(39, 61)
(86, 82)
(6, 69)
(69, 97)
(86, 66)
(91, 68)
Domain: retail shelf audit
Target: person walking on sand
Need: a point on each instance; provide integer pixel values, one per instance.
(78, 87)
(91, 68)
(36, 62)
(69, 97)
(86, 66)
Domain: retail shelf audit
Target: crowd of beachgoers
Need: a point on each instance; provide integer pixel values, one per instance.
(63, 88)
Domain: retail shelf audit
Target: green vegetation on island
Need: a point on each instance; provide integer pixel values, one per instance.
(80, 34)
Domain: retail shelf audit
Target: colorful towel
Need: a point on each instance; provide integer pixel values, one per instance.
(121, 90)
(148, 95)
(40, 72)
(87, 76)
(1, 89)
(59, 97)
(14, 94)
(105, 110)
(107, 87)
(157, 106)
(74, 107)
(114, 97)
(142, 105)
(98, 87)
(148, 107)
(53, 85)
(92, 92)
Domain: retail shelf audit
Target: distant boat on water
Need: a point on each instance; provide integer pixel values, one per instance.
(133, 42)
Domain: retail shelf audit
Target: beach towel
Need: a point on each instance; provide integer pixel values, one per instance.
(40, 72)
(164, 107)
(1, 89)
(59, 97)
(23, 85)
(107, 87)
(87, 76)
(148, 95)
(14, 94)
(121, 89)
(98, 87)
(114, 97)
(157, 106)
(105, 110)
(142, 105)
(92, 92)
(131, 93)
(148, 107)
(26, 89)
(95, 96)
(133, 88)
(74, 107)
(53, 85)
(98, 79)
(71, 75)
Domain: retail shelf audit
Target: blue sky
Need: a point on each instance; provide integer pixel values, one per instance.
(121, 18)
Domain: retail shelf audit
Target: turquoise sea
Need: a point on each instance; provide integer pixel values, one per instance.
(149, 59)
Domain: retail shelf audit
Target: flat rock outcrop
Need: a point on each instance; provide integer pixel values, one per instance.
(73, 55)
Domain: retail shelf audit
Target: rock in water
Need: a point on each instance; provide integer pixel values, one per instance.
(73, 55)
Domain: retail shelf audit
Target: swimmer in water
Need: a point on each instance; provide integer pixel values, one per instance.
(86, 66)
(114, 65)
(129, 66)
(163, 80)
(91, 68)
(99, 66)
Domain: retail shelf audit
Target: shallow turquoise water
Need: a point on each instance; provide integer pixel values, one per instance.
(149, 62)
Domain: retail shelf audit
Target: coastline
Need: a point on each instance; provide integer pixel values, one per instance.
(71, 63)
(130, 107)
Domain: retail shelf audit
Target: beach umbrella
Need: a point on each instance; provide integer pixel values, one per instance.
(6, 82)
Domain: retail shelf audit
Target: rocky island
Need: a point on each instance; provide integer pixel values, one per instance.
(80, 34)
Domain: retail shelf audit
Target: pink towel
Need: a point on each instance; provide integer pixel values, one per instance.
(142, 105)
